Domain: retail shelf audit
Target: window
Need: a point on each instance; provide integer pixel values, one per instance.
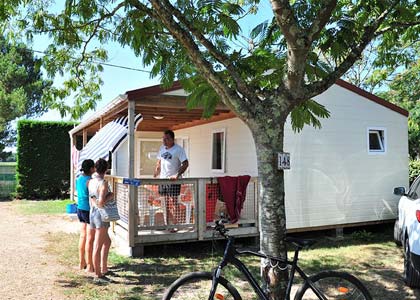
(376, 140)
(149, 149)
(218, 151)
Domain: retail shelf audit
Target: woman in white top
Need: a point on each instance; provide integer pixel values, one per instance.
(99, 193)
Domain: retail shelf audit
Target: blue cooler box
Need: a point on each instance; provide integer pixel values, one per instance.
(71, 208)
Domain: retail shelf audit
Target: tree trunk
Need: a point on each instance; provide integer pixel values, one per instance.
(272, 217)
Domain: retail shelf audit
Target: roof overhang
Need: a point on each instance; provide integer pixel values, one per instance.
(161, 109)
(166, 109)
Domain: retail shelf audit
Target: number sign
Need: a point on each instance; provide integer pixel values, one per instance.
(283, 160)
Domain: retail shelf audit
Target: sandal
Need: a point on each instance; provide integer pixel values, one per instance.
(109, 272)
(101, 280)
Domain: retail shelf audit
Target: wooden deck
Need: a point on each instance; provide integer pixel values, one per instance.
(148, 217)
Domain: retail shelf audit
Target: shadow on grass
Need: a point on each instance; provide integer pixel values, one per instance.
(388, 284)
(148, 277)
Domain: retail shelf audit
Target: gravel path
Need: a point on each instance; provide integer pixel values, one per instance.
(26, 270)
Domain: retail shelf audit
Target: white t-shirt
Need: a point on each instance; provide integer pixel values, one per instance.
(170, 160)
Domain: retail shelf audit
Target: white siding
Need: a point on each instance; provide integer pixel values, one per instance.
(333, 179)
(240, 149)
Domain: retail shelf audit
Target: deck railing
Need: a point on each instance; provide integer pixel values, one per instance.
(166, 210)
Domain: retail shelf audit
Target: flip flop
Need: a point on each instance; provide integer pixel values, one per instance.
(101, 280)
(110, 272)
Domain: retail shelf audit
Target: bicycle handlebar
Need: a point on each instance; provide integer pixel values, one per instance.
(220, 227)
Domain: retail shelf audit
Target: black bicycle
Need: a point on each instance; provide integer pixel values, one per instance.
(325, 285)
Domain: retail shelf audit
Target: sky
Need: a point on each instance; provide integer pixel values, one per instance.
(118, 80)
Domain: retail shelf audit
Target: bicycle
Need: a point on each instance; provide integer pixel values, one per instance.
(324, 285)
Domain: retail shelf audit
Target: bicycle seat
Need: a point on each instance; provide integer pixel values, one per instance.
(301, 243)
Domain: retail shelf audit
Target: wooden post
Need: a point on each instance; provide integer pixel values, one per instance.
(201, 207)
(72, 143)
(132, 201)
(84, 141)
(256, 201)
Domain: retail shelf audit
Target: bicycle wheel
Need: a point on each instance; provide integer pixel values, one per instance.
(334, 285)
(197, 285)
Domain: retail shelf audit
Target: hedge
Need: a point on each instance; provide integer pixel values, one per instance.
(43, 159)
(414, 169)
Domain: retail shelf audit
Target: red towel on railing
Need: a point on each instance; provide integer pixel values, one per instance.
(233, 190)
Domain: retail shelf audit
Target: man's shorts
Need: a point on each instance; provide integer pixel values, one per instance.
(170, 189)
(83, 216)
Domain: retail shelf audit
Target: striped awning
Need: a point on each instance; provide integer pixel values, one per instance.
(107, 139)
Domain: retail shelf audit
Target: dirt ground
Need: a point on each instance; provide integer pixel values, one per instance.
(27, 271)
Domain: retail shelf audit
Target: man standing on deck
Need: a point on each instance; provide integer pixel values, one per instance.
(172, 163)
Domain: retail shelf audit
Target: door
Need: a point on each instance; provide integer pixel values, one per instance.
(148, 151)
(184, 142)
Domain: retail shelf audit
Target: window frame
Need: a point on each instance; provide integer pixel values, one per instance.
(383, 142)
(138, 167)
(223, 154)
(186, 146)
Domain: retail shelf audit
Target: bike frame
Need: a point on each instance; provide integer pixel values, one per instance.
(229, 257)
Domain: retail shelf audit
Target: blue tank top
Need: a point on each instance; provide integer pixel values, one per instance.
(82, 192)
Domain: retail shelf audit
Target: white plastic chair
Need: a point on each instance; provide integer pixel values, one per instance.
(187, 203)
(147, 202)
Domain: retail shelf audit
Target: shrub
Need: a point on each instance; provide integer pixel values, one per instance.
(363, 235)
(414, 169)
(43, 159)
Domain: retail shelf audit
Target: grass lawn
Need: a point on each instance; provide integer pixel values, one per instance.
(147, 278)
(28, 207)
(7, 163)
(370, 255)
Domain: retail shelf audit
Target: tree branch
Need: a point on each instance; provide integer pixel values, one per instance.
(322, 19)
(313, 89)
(241, 86)
(394, 25)
(232, 100)
(297, 46)
(94, 31)
(285, 18)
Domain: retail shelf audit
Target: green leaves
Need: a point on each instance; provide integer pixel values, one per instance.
(201, 94)
(21, 87)
(404, 91)
(208, 35)
(308, 113)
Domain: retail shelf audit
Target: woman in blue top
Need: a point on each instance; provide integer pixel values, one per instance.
(86, 233)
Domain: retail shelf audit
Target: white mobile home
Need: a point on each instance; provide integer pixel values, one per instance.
(341, 174)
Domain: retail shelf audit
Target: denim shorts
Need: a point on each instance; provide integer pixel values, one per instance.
(95, 219)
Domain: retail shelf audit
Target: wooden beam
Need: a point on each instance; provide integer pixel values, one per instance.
(168, 101)
(119, 109)
(163, 110)
(84, 139)
(217, 118)
(72, 170)
(132, 195)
